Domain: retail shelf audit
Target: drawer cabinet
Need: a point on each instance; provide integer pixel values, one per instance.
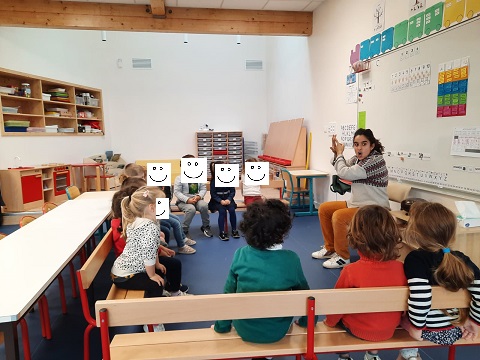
(223, 146)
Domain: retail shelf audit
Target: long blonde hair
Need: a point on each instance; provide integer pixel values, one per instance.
(134, 206)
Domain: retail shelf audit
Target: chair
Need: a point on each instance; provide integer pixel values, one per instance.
(292, 191)
(47, 206)
(104, 178)
(23, 326)
(397, 192)
(72, 192)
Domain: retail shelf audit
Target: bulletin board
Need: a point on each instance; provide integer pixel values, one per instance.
(399, 96)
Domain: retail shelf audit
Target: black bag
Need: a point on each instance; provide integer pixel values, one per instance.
(339, 186)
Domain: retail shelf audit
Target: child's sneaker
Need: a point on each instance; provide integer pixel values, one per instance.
(323, 253)
(189, 241)
(235, 234)
(186, 250)
(336, 262)
(206, 231)
(223, 236)
(156, 328)
(183, 287)
(348, 358)
(371, 357)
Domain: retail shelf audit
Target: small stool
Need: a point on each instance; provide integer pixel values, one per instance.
(103, 178)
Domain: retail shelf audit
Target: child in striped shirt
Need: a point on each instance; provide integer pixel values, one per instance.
(432, 229)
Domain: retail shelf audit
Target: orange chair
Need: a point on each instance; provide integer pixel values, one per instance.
(47, 206)
(24, 326)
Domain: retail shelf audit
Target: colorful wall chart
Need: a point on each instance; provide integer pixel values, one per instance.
(452, 88)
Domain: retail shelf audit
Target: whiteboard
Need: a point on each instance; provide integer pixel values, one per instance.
(417, 143)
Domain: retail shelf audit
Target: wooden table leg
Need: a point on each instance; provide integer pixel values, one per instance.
(98, 185)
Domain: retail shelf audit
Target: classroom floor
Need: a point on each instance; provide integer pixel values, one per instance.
(205, 273)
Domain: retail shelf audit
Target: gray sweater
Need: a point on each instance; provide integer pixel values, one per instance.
(182, 190)
(369, 179)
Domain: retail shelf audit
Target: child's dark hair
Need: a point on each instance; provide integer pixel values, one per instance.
(432, 227)
(187, 156)
(374, 233)
(133, 181)
(266, 223)
(212, 167)
(369, 135)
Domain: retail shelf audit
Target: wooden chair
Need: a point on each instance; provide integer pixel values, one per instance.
(72, 192)
(23, 326)
(47, 206)
(291, 191)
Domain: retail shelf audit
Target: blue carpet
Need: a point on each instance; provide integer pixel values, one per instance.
(205, 273)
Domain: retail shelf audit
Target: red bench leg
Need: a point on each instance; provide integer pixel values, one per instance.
(310, 355)
(451, 352)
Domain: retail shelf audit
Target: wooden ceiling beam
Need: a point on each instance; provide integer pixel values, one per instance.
(158, 8)
(123, 17)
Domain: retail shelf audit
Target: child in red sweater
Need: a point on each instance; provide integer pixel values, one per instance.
(373, 232)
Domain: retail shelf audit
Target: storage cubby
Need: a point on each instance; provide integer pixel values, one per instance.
(45, 114)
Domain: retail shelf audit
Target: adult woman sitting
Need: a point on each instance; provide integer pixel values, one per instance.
(368, 173)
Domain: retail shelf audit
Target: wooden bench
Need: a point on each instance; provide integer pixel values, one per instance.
(86, 276)
(206, 344)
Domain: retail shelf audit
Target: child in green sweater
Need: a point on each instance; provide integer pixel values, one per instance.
(263, 265)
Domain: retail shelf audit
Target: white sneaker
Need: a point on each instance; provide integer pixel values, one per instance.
(166, 293)
(323, 253)
(156, 328)
(336, 262)
(189, 241)
(186, 250)
(181, 293)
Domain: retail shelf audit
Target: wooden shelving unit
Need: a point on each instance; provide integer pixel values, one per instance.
(34, 109)
(226, 146)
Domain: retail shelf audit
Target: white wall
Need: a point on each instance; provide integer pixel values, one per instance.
(148, 113)
(337, 26)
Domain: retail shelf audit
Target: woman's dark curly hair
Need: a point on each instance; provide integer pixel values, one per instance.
(266, 223)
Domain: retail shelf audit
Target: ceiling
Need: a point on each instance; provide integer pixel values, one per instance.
(273, 5)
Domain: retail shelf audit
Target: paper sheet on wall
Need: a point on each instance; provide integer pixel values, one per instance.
(466, 142)
(346, 134)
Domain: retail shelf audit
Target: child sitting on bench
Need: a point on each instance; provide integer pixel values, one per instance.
(263, 265)
(374, 233)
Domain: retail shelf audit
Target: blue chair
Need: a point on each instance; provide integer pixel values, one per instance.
(72, 192)
(292, 192)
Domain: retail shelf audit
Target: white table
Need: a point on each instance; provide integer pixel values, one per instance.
(309, 175)
(33, 256)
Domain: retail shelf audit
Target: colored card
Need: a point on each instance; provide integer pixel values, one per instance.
(462, 99)
(463, 72)
(400, 33)
(462, 109)
(441, 90)
(447, 88)
(463, 86)
(447, 111)
(387, 39)
(455, 99)
(447, 99)
(441, 77)
(454, 11)
(415, 26)
(355, 54)
(375, 42)
(472, 8)
(362, 119)
(365, 49)
(433, 18)
(455, 87)
(440, 100)
(439, 111)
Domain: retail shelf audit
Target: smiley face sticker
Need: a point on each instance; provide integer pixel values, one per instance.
(159, 174)
(256, 173)
(194, 170)
(226, 175)
(162, 210)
